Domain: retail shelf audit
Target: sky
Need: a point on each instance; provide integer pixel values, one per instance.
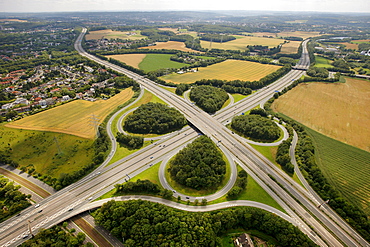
(362, 6)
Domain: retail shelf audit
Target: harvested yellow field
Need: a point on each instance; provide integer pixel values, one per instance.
(174, 45)
(175, 30)
(337, 110)
(227, 70)
(75, 118)
(290, 48)
(130, 59)
(241, 42)
(110, 34)
(350, 45)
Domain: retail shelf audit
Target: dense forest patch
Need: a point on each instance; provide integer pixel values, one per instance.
(199, 165)
(154, 118)
(209, 98)
(12, 200)
(143, 223)
(256, 127)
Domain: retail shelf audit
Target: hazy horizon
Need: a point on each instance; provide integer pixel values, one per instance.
(331, 6)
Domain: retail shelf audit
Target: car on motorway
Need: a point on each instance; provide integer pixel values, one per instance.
(89, 199)
(70, 209)
(40, 211)
(25, 236)
(37, 205)
(152, 157)
(187, 197)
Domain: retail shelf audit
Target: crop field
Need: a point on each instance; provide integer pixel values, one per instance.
(361, 41)
(241, 42)
(227, 70)
(322, 62)
(353, 46)
(301, 34)
(338, 110)
(173, 45)
(291, 47)
(130, 59)
(75, 118)
(110, 34)
(51, 153)
(346, 167)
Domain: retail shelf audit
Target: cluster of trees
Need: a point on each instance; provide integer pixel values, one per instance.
(124, 82)
(236, 86)
(293, 38)
(256, 127)
(190, 41)
(216, 37)
(57, 236)
(199, 165)
(287, 60)
(130, 141)
(12, 200)
(305, 154)
(240, 185)
(143, 223)
(140, 186)
(154, 118)
(264, 50)
(181, 88)
(283, 156)
(209, 98)
(318, 72)
(258, 111)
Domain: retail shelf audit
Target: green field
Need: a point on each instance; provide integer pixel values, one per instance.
(227, 70)
(322, 62)
(51, 153)
(347, 168)
(158, 61)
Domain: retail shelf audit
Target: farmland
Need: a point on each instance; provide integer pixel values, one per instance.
(148, 62)
(227, 70)
(346, 167)
(130, 59)
(110, 34)
(241, 42)
(73, 118)
(290, 47)
(336, 110)
(302, 34)
(322, 62)
(173, 45)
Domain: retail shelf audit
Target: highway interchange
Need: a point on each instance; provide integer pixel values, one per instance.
(326, 228)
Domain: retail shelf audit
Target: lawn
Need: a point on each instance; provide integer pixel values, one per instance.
(158, 61)
(237, 97)
(323, 62)
(227, 70)
(51, 153)
(109, 34)
(270, 154)
(75, 117)
(337, 110)
(347, 168)
(241, 42)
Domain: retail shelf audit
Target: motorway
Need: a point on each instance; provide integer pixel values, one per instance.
(70, 200)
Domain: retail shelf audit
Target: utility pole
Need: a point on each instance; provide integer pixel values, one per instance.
(29, 228)
(56, 142)
(326, 202)
(94, 121)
